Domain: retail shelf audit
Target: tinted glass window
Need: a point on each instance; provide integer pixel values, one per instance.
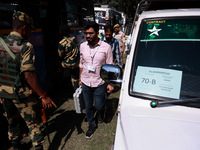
(173, 45)
(100, 17)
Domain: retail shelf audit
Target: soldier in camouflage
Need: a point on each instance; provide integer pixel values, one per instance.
(69, 55)
(19, 89)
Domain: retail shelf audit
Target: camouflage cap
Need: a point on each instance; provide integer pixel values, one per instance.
(21, 16)
(116, 26)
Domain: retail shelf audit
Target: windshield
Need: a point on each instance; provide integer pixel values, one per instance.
(100, 17)
(167, 59)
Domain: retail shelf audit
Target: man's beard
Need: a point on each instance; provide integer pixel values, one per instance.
(91, 40)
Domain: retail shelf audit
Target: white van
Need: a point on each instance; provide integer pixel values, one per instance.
(159, 106)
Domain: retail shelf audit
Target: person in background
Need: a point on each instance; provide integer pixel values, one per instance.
(120, 36)
(117, 55)
(20, 91)
(93, 54)
(69, 55)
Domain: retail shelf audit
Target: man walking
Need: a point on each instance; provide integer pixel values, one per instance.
(69, 55)
(120, 36)
(117, 56)
(19, 83)
(93, 54)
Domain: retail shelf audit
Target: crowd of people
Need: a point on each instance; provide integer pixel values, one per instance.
(20, 92)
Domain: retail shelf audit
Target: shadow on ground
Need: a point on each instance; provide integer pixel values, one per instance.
(111, 105)
(110, 109)
(64, 125)
(67, 122)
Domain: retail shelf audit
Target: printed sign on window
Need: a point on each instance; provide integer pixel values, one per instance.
(158, 82)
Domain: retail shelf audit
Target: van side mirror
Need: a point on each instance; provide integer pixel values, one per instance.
(111, 73)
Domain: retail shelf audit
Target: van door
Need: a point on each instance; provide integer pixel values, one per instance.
(165, 71)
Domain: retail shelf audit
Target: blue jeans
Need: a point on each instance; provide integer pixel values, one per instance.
(98, 93)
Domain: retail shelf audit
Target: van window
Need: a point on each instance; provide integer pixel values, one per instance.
(100, 17)
(168, 46)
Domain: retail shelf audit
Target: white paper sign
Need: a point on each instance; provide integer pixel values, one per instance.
(158, 82)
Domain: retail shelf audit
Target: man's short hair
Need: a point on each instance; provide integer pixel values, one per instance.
(108, 27)
(93, 25)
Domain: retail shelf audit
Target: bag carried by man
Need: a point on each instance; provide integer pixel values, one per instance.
(78, 100)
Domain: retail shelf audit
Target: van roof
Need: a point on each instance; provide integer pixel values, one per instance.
(173, 4)
(171, 12)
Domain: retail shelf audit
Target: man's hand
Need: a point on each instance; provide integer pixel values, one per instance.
(123, 48)
(1, 101)
(110, 88)
(47, 102)
(80, 72)
(33, 82)
(79, 83)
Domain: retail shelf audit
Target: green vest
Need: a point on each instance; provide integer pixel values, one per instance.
(10, 75)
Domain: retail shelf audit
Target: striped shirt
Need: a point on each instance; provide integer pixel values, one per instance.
(117, 55)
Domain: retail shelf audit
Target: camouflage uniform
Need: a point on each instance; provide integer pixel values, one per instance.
(69, 54)
(25, 103)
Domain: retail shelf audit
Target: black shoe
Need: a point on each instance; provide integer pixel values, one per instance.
(90, 132)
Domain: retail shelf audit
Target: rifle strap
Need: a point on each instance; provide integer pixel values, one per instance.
(7, 49)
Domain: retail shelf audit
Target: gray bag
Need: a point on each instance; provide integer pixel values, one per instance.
(78, 100)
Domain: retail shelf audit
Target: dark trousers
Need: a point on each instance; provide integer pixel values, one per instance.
(98, 93)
